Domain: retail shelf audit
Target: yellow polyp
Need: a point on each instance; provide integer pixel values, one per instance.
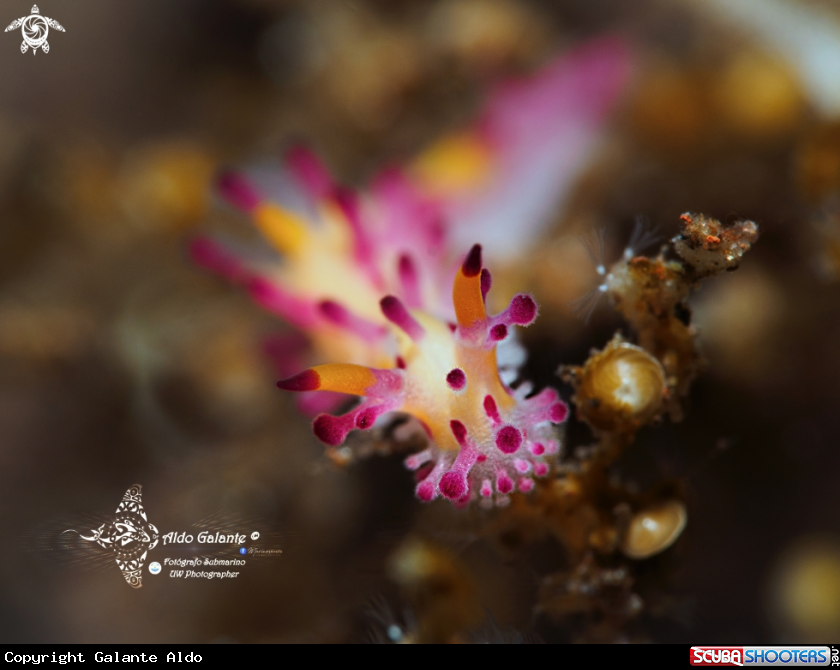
(653, 530)
(466, 296)
(455, 163)
(620, 387)
(283, 229)
(345, 378)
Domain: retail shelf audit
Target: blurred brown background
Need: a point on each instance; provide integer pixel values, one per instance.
(121, 363)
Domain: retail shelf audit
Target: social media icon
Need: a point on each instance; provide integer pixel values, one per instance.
(154, 567)
(243, 550)
(255, 535)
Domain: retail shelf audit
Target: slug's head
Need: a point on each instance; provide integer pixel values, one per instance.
(486, 440)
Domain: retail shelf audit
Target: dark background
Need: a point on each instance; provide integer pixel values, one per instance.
(121, 363)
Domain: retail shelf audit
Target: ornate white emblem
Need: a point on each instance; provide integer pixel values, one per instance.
(129, 536)
(35, 29)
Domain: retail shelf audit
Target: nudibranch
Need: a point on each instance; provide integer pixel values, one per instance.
(339, 252)
(486, 439)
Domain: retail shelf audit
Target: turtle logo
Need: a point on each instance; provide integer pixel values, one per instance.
(35, 29)
(129, 536)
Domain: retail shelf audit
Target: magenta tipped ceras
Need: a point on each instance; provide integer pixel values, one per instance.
(487, 440)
